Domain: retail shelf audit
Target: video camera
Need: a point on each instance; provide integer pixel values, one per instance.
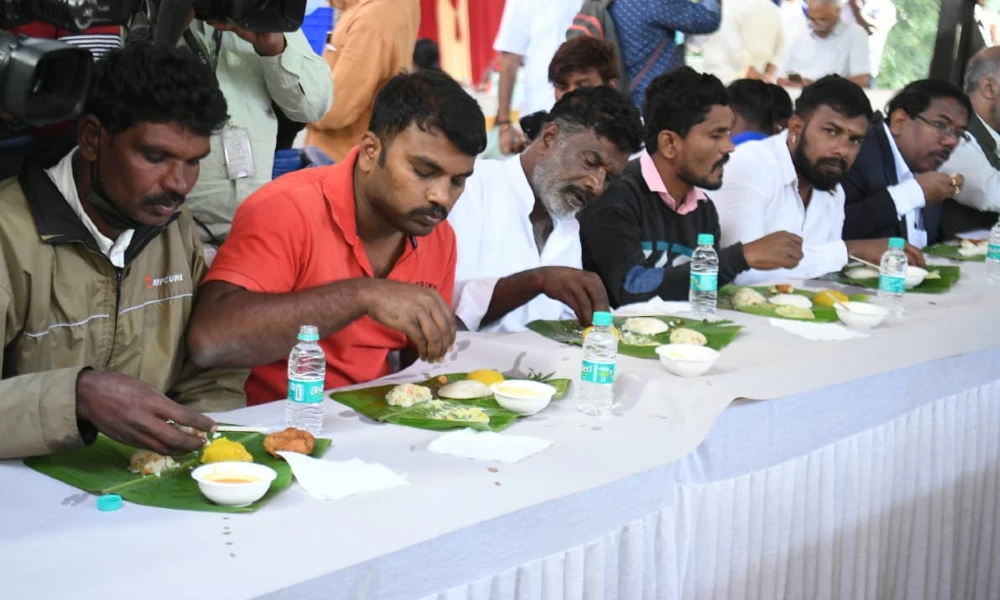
(44, 82)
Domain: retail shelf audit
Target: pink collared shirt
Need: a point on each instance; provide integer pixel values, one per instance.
(655, 183)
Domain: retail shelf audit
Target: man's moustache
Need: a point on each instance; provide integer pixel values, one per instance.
(435, 212)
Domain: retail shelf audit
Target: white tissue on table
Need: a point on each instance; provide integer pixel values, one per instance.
(329, 480)
(652, 308)
(488, 445)
(979, 234)
(817, 331)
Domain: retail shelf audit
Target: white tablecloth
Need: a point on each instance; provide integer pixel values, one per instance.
(870, 472)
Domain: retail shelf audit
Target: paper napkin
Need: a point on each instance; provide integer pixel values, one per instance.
(488, 445)
(652, 308)
(329, 480)
(817, 331)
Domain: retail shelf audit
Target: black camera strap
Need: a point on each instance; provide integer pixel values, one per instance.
(199, 50)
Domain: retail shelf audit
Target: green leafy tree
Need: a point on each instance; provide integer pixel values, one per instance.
(910, 45)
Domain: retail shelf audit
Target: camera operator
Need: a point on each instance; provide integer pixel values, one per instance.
(46, 145)
(254, 69)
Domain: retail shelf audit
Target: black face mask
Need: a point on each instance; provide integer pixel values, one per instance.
(110, 214)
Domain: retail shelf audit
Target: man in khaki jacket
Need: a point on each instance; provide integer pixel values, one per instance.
(99, 266)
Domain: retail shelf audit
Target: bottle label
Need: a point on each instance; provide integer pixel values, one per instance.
(892, 284)
(704, 282)
(598, 372)
(305, 392)
(993, 252)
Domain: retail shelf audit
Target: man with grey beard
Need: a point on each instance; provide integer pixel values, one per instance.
(519, 254)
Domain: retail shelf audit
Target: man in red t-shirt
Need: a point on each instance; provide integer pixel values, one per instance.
(360, 249)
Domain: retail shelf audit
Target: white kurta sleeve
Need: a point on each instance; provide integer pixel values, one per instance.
(514, 33)
(982, 182)
(473, 294)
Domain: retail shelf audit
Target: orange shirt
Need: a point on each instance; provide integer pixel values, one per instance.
(371, 42)
(299, 232)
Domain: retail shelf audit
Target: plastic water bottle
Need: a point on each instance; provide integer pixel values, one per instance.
(892, 277)
(993, 255)
(600, 358)
(306, 375)
(704, 292)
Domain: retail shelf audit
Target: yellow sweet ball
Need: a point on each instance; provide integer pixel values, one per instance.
(486, 377)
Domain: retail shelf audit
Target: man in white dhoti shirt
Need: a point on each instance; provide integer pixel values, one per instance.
(519, 253)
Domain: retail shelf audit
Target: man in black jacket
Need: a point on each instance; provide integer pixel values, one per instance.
(894, 189)
(640, 234)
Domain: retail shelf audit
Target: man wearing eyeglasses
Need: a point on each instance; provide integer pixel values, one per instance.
(895, 188)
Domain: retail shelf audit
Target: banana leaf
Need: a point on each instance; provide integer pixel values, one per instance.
(103, 468)
(950, 250)
(823, 314)
(718, 333)
(949, 275)
(440, 414)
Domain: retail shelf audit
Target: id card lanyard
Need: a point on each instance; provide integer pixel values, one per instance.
(235, 140)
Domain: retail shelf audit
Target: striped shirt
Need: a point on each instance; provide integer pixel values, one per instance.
(99, 40)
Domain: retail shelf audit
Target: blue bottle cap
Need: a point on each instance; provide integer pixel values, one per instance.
(309, 333)
(108, 503)
(706, 239)
(603, 319)
(897, 243)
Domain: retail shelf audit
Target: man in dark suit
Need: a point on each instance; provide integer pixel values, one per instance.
(894, 189)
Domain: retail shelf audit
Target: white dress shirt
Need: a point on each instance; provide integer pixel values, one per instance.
(843, 52)
(847, 13)
(882, 16)
(982, 182)
(750, 35)
(496, 239)
(62, 176)
(908, 196)
(760, 195)
(793, 24)
(535, 30)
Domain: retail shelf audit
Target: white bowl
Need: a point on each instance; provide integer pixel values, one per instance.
(524, 397)
(686, 360)
(861, 315)
(915, 276)
(211, 481)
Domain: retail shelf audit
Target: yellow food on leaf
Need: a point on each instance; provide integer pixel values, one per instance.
(829, 297)
(485, 376)
(614, 330)
(225, 450)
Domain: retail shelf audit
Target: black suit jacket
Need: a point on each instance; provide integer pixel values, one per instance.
(869, 211)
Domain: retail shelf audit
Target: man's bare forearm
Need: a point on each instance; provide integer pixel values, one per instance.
(235, 328)
(509, 64)
(513, 292)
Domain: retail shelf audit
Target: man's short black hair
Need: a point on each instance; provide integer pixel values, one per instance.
(753, 101)
(146, 83)
(918, 95)
(580, 54)
(782, 106)
(432, 101)
(842, 95)
(679, 100)
(609, 113)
